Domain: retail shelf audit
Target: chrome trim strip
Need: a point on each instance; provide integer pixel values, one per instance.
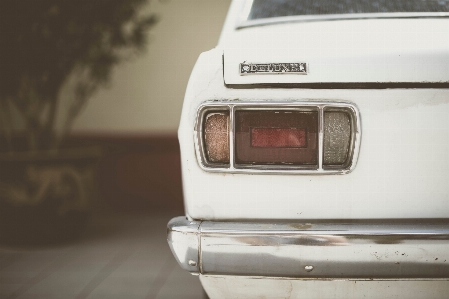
(231, 106)
(231, 138)
(352, 150)
(343, 85)
(321, 138)
(199, 138)
(317, 250)
(244, 23)
(180, 230)
(321, 279)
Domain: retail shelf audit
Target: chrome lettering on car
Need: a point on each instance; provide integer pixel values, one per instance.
(273, 68)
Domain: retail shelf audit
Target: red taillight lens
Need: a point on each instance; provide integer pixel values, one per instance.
(276, 137)
(216, 136)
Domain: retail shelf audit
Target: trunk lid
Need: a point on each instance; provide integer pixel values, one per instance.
(343, 51)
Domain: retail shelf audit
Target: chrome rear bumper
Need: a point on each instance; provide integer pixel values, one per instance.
(323, 250)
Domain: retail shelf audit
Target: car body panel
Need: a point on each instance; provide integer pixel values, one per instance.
(238, 287)
(401, 170)
(396, 72)
(370, 50)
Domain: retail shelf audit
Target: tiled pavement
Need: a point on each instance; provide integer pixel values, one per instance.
(116, 257)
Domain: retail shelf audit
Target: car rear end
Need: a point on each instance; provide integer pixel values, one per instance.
(314, 159)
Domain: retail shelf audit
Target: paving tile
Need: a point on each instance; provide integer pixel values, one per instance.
(32, 261)
(60, 285)
(8, 257)
(142, 263)
(128, 286)
(158, 284)
(181, 284)
(18, 277)
(7, 289)
(46, 295)
(117, 257)
(90, 261)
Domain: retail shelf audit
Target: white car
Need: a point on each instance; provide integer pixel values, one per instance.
(315, 152)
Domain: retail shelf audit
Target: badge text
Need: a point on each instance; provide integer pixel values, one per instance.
(277, 68)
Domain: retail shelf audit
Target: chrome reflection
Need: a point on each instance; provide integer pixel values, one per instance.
(362, 250)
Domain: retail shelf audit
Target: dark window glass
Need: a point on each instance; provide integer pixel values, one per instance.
(279, 8)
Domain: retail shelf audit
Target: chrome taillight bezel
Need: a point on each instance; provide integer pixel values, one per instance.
(319, 106)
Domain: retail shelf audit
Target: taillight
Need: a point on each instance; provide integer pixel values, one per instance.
(300, 137)
(216, 136)
(280, 137)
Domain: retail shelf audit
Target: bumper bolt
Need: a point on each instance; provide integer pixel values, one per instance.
(192, 263)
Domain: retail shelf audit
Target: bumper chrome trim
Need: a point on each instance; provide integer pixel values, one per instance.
(323, 250)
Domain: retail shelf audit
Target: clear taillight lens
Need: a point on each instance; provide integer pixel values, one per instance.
(216, 136)
(337, 137)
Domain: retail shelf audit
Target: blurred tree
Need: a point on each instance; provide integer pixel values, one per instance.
(45, 44)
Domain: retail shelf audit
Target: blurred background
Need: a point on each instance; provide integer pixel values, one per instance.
(90, 99)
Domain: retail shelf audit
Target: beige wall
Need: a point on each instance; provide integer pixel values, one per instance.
(146, 94)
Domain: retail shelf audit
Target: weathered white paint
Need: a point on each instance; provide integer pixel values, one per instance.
(403, 162)
(401, 171)
(372, 50)
(221, 287)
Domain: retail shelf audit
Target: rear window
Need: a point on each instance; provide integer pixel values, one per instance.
(262, 9)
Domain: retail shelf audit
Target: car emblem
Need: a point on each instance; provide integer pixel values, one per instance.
(273, 68)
